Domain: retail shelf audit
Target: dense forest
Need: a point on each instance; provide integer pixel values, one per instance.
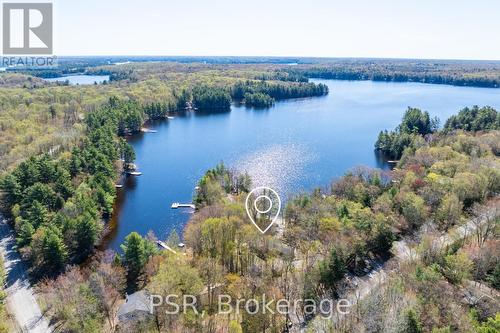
(474, 119)
(40, 117)
(457, 73)
(63, 148)
(416, 124)
(258, 99)
(263, 94)
(454, 72)
(333, 238)
(57, 203)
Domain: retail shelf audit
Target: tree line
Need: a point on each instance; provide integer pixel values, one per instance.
(455, 73)
(263, 93)
(416, 124)
(474, 119)
(331, 234)
(339, 232)
(58, 203)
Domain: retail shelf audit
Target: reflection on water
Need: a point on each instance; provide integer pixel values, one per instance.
(112, 224)
(295, 145)
(277, 167)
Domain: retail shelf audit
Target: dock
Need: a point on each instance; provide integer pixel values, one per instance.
(164, 246)
(176, 205)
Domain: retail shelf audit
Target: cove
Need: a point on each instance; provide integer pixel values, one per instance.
(294, 146)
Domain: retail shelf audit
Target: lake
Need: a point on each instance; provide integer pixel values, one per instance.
(80, 79)
(294, 146)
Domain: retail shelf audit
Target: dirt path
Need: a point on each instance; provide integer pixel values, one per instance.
(21, 301)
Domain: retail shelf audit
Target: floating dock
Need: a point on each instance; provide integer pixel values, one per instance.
(176, 205)
(164, 246)
(147, 130)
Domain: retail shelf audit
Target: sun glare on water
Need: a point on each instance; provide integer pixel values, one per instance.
(278, 166)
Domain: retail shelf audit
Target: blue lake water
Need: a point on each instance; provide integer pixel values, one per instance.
(296, 145)
(80, 79)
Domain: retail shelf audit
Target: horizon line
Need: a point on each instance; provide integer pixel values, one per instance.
(273, 56)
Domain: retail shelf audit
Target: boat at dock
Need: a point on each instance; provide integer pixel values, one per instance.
(133, 173)
(176, 205)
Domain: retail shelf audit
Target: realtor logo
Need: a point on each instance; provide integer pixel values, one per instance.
(27, 28)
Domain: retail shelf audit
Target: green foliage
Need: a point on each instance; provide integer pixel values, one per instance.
(276, 90)
(435, 72)
(234, 327)
(333, 269)
(207, 98)
(49, 251)
(414, 123)
(127, 153)
(72, 192)
(412, 207)
(492, 325)
(393, 143)
(57, 200)
(494, 277)
(214, 186)
(136, 252)
(87, 232)
(457, 267)
(449, 211)
(412, 323)
(474, 119)
(175, 276)
(158, 110)
(12, 190)
(418, 122)
(258, 100)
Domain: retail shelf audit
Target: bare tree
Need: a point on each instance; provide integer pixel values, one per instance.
(486, 219)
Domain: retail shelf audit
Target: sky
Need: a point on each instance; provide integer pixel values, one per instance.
(430, 29)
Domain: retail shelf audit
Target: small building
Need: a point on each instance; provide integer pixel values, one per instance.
(137, 307)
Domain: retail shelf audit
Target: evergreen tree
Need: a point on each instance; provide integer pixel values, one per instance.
(333, 269)
(412, 324)
(87, 233)
(134, 255)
